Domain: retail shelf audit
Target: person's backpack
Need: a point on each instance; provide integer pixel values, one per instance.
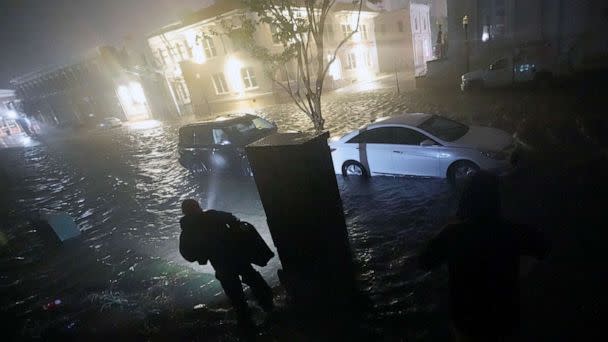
(252, 245)
(191, 241)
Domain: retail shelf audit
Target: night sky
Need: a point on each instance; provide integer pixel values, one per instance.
(37, 33)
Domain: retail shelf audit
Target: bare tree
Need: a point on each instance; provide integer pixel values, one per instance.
(301, 66)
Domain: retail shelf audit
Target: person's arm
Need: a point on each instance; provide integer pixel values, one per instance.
(436, 251)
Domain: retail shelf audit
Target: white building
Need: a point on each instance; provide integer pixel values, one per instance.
(407, 33)
(208, 72)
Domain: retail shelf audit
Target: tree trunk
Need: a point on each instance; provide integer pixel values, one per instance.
(317, 117)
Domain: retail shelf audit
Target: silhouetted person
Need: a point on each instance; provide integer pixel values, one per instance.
(482, 251)
(207, 236)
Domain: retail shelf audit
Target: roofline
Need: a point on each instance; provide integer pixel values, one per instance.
(181, 26)
(178, 26)
(49, 69)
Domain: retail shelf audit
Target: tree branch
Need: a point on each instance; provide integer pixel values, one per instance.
(347, 38)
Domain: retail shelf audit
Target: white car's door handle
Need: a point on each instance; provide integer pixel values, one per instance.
(398, 152)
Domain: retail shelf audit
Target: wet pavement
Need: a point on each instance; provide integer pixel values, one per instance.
(124, 187)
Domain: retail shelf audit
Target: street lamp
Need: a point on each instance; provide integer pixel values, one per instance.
(465, 25)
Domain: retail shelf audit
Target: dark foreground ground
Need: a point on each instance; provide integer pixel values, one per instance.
(124, 278)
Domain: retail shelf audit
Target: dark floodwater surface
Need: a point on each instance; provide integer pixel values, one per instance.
(124, 187)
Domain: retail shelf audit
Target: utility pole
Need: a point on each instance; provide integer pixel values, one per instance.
(396, 75)
(465, 25)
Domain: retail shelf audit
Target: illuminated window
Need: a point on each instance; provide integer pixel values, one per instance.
(364, 32)
(184, 50)
(248, 77)
(180, 90)
(367, 57)
(351, 60)
(346, 30)
(219, 82)
(400, 25)
(161, 58)
(209, 47)
(178, 47)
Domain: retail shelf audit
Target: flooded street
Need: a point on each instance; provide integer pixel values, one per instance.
(124, 187)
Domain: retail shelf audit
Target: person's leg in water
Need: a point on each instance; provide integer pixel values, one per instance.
(261, 291)
(234, 291)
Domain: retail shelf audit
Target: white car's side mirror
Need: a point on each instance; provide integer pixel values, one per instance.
(428, 142)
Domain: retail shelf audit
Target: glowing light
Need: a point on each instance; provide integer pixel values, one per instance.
(11, 114)
(194, 38)
(363, 57)
(26, 141)
(335, 69)
(233, 74)
(143, 125)
(137, 92)
(133, 100)
(123, 94)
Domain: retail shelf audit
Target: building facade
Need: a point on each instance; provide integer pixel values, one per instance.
(9, 101)
(406, 33)
(209, 73)
(9, 115)
(395, 41)
(570, 32)
(105, 83)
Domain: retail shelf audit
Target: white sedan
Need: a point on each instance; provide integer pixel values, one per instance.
(421, 145)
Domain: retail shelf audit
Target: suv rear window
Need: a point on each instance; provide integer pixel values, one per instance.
(193, 136)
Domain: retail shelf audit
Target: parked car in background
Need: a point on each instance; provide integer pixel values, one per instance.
(110, 122)
(508, 71)
(218, 145)
(422, 145)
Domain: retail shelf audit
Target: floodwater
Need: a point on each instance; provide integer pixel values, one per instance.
(124, 187)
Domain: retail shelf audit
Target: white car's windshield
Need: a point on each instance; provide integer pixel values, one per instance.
(444, 129)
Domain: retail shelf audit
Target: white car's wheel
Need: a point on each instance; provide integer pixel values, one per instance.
(461, 171)
(353, 168)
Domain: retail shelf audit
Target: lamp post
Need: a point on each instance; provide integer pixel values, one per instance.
(465, 25)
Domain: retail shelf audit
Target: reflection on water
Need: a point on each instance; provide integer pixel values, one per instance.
(124, 187)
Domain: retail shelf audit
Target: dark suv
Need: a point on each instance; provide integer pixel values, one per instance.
(219, 145)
